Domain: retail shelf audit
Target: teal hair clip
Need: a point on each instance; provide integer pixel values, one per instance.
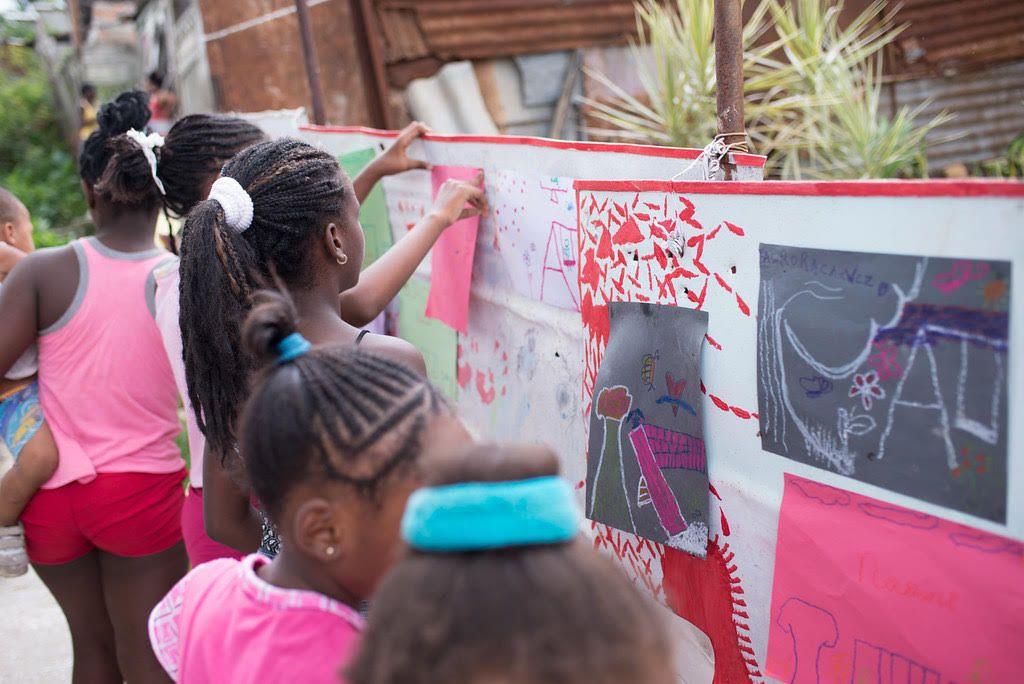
(473, 516)
(292, 347)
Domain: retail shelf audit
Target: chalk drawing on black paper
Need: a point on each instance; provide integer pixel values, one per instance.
(647, 469)
(882, 368)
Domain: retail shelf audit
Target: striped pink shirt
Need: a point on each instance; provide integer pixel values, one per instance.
(105, 385)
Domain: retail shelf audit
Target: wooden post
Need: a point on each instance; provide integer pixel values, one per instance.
(729, 76)
(316, 90)
(366, 31)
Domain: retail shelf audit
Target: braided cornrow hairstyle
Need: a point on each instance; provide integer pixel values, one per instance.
(295, 189)
(196, 147)
(558, 614)
(335, 413)
(113, 164)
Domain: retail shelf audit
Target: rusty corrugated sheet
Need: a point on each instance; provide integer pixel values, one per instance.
(471, 29)
(256, 61)
(989, 109)
(951, 36)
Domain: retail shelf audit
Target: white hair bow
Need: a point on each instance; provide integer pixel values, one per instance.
(235, 201)
(148, 143)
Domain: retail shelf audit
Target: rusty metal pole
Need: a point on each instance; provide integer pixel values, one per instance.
(367, 33)
(729, 75)
(316, 90)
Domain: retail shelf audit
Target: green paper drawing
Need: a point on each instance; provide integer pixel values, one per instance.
(436, 341)
(373, 213)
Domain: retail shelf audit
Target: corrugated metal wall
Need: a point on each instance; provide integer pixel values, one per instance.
(256, 57)
(947, 36)
(469, 29)
(988, 107)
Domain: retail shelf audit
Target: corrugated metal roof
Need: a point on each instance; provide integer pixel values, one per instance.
(989, 109)
(949, 36)
(470, 29)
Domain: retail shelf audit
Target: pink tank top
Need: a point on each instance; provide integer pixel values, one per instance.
(105, 384)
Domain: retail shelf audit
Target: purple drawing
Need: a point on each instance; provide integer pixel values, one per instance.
(812, 629)
(875, 664)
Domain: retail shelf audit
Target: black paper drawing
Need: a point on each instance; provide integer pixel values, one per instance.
(889, 369)
(646, 466)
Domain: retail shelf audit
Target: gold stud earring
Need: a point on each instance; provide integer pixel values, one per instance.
(342, 259)
(329, 550)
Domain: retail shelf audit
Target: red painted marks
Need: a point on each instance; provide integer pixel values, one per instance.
(712, 342)
(486, 393)
(604, 247)
(686, 215)
(464, 374)
(704, 592)
(744, 309)
(734, 229)
(724, 285)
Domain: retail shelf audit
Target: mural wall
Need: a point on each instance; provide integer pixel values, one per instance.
(856, 337)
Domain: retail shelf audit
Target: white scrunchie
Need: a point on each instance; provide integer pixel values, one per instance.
(148, 143)
(235, 201)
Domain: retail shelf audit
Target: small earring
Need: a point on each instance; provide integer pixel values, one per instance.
(342, 259)
(329, 550)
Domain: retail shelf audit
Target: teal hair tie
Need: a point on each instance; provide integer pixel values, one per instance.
(292, 347)
(471, 516)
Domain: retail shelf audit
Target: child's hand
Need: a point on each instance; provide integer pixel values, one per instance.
(452, 199)
(395, 159)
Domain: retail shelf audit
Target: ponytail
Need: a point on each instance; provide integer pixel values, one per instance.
(293, 189)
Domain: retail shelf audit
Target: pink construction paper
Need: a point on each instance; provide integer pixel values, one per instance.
(866, 591)
(451, 261)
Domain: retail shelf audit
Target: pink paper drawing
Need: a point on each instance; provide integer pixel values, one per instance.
(451, 262)
(866, 591)
(536, 235)
(658, 448)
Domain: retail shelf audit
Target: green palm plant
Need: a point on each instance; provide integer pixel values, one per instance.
(811, 95)
(678, 77)
(849, 137)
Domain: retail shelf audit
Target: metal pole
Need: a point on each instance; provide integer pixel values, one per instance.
(729, 74)
(316, 90)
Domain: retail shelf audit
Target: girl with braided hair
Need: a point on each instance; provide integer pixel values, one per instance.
(498, 586)
(195, 150)
(334, 439)
(281, 210)
(104, 532)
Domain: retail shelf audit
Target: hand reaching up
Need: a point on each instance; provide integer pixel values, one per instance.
(396, 159)
(459, 199)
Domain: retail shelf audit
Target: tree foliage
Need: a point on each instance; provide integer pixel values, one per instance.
(35, 163)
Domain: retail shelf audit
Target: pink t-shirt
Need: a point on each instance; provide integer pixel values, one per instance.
(166, 314)
(222, 623)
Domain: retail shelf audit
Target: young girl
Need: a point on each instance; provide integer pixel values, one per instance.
(332, 439)
(497, 589)
(190, 160)
(104, 533)
(283, 210)
(23, 432)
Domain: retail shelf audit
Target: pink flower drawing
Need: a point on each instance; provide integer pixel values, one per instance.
(866, 387)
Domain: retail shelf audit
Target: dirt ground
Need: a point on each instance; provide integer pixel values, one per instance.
(35, 645)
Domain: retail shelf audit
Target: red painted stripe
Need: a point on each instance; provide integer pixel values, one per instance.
(754, 160)
(881, 188)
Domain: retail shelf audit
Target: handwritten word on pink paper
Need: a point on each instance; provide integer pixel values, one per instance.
(866, 591)
(451, 261)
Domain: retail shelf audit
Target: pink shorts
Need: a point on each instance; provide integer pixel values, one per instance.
(125, 514)
(198, 544)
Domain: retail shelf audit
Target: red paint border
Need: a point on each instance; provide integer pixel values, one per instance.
(754, 160)
(879, 188)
